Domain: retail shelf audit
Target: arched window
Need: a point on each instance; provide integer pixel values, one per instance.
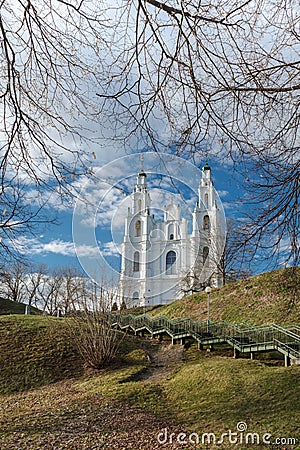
(136, 262)
(138, 228)
(139, 205)
(171, 231)
(206, 200)
(170, 262)
(206, 223)
(205, 255)
(135, 297)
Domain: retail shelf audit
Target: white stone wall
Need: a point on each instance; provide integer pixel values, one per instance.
(151, 284)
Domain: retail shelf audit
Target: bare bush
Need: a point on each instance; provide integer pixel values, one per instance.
(91, 330)
(96, 341)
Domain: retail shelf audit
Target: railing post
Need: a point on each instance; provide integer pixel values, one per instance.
(236, 353)
(252, 338)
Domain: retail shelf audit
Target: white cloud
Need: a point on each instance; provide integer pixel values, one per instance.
(110, 249)
(57, 246)
(32, 246)
(52, 200)
(223, 193)
(97, 205)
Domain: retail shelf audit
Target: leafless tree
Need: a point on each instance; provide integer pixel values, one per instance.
(46, 54)
(47, 49)
(17, 217)
(235, 262)
(90, 326)
(69, 292)
(61, 289)
(35, 282)
(222, 70)
(271, 225)
(220, 78)
(12, 282)
(223, 263)
(49, 292)
(188, 76)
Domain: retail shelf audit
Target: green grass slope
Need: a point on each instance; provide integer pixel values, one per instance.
(272, 297)
(34, 352)
(60, 406)
(9, 307)
(38, 350)
(203, 393)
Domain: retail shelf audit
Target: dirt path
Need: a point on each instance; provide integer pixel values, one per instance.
(60, 417)
(165, 359)
(111, 426)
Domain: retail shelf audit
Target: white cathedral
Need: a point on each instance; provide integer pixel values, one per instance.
(159, 257)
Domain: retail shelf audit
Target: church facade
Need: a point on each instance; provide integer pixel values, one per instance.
(165, 259)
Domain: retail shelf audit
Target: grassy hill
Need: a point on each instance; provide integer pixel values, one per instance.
(50, 401)
(127, 405)
(272, 297)
(9, 307)
(35, 352)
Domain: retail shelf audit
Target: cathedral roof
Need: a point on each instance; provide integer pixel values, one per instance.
(206, 167)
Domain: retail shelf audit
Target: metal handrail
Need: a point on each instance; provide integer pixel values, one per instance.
(243, 336)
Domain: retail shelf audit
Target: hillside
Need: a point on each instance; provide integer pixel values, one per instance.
(38, 350)
(35, 352)
(9, 307)
(154, 389)
(272, 297)
(50, 401)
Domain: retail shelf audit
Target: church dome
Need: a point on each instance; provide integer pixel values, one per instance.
(206, 167)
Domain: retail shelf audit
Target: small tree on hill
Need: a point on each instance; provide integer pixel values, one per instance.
(91, 329)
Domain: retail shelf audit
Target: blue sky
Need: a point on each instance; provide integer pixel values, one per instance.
(90, 224)
(90, 227)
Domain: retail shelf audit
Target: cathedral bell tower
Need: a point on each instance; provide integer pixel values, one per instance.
(156, 255)
(138, 226)
(141, 198)
(206, 190)
(206, 218)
